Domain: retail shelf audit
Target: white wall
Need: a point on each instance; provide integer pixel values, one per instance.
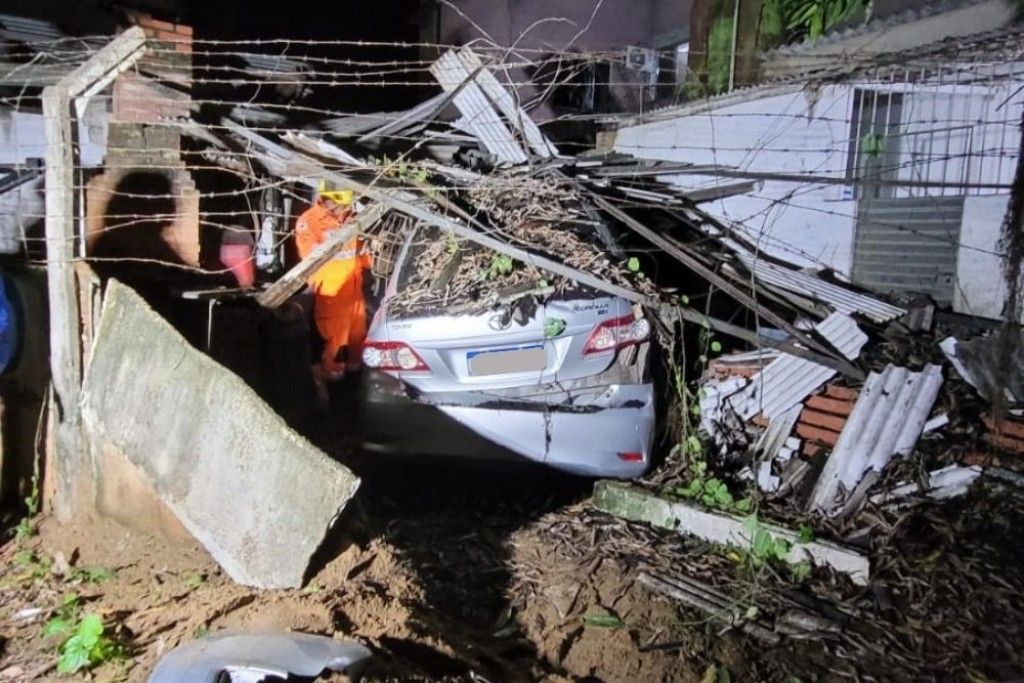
(19, 208)
(979, 269)
(799, 132)
(815, 225)
(22, 135)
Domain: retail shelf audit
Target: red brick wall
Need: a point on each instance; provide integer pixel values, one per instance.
(140, 140)
(179, 35)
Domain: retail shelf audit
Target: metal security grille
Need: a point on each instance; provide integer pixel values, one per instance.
(908, 245)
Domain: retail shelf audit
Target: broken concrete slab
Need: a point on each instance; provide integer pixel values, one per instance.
(638, 505)
(255, 493)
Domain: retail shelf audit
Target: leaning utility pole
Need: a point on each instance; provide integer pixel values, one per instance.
(69, 452)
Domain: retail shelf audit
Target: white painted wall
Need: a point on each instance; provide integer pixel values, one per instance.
(22, 135)
(799, 132)
(814, 225)
(979, 268)
(19, 208)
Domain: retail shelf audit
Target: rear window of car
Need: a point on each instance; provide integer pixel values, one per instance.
(442, 273)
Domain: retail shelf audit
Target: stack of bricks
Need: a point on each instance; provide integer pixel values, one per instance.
(823, 417)
(1006, 435)
(139, 139)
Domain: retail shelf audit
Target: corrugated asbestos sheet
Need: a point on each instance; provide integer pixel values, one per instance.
(836, 297)
(477, 113)
(886, 420)
(35, 32)
(908, 245)
(787, 380)
(414, 119)
(770, 443)
(502, 99)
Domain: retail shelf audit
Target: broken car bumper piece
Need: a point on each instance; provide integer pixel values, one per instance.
(252, 657)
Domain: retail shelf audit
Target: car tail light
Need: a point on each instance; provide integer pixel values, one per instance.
(612, 334)
(631, 456)
(383, 355)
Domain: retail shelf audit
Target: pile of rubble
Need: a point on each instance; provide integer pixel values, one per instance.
(827, 444)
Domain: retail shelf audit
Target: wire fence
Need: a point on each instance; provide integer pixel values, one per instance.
(943, 123)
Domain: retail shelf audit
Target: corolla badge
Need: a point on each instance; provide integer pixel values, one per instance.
(500, 320)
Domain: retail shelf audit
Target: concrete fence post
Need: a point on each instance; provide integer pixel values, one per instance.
(69, 452)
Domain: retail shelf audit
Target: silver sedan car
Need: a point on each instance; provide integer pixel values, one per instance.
(574, 395)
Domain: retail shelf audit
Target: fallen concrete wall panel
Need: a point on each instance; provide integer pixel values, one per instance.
(256, 494)
(638, 505)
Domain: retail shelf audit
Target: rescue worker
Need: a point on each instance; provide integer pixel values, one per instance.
(338, 305)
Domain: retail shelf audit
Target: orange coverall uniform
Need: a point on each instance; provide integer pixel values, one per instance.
(338, 306)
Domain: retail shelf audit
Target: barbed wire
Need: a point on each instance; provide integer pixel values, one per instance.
(201, 75)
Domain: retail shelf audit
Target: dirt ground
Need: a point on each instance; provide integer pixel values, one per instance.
(511, 576)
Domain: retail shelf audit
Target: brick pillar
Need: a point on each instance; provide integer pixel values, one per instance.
(142, 147)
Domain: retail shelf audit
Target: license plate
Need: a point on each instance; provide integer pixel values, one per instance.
(507, 361)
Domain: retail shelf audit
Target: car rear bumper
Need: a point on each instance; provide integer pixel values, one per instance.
(587, 440)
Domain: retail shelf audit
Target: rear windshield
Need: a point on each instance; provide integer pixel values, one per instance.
(442, 273)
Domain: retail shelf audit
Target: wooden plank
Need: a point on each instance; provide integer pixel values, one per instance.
(722, 283)
(296, 277)
(787, 345)
(301, 167)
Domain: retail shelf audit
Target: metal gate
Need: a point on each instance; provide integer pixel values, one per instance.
(908, 244)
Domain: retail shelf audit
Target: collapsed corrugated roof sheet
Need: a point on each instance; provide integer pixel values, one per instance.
(886, 421)
(786, 381)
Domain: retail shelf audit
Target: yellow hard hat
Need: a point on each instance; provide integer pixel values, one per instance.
(343, 197)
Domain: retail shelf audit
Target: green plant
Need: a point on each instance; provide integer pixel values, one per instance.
(26, 527)
(83, 644)
(451, 243)
(633, 266)
(33, 566)
(501, 264)
(195, 580)
(789, 20)
(96, 574)
(764, 547)
(800, 571)
(871, 144)
(604, 620)
(87, 647)
(712, 492)
(64, 618)
(716, 673)
(553, 327)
